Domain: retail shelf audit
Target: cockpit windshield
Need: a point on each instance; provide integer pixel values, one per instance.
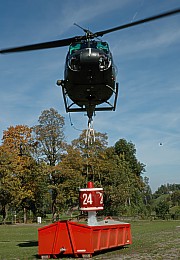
(103, 46)
(92, 44)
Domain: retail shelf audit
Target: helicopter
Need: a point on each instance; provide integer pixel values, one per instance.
(90, 73)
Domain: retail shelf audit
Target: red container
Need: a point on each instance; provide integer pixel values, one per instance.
(70, 238)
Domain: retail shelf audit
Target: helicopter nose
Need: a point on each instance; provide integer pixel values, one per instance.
(89, 55)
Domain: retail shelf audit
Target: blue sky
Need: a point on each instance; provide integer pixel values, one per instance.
(148, 62)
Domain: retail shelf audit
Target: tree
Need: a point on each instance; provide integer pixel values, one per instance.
(67, 176)
(49, 134)
(166, 189)
(162, 209)
(175, 198)
(14, 168)
(160, 191)
(33, 186)
(93, 155)
(127, 151)
(117, 186)
(37, 163)
(22, 178)
(130, 170)
(118, 173)
(147, 191)
(8, 180)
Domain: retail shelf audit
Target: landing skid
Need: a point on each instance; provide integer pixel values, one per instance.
(72, 107)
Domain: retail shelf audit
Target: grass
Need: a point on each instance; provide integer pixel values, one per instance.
(18, 242)
(156, 240)
(151, 240)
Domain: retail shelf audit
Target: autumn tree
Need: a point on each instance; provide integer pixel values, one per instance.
(24, 176)
(8, 180)
(78, 165)
(36, 162)
(12, 139)
(68, 178)
(93, 154)
(15, 137)
(49, 134)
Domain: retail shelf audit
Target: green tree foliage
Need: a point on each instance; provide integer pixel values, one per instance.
(147, 191)
(170, 195)
(127, 151)
(117, 183)
(162, 209)
(175, 198)
(166, 189)
(126, 178)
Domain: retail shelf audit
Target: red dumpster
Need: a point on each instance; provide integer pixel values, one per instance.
(71, 238)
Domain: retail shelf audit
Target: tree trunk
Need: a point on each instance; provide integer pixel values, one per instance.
(129, 201)
(25, 216)
(4, 213)
(54, 196)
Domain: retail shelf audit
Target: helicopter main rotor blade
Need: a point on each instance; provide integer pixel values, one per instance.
(43, 45)
(149, 19)
(68, 41)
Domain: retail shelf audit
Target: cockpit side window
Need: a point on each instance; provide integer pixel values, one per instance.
(74, 47)
(103, 46)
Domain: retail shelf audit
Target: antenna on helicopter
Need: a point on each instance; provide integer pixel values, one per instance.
(87, 31)
(89, 34)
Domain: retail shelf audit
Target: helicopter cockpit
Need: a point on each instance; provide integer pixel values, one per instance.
(91, 44)
(80, 53)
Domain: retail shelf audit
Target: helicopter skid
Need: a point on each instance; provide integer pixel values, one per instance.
(71, 106)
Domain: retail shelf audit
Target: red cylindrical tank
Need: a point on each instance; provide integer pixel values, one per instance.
(91, 199)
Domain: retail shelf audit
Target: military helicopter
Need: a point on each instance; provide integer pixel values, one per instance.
(90, 73)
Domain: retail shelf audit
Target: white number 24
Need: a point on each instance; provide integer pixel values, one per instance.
(87, 199)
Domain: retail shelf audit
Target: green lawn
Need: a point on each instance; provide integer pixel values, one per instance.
(18, 242)
(157, 240)
(151, 240)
